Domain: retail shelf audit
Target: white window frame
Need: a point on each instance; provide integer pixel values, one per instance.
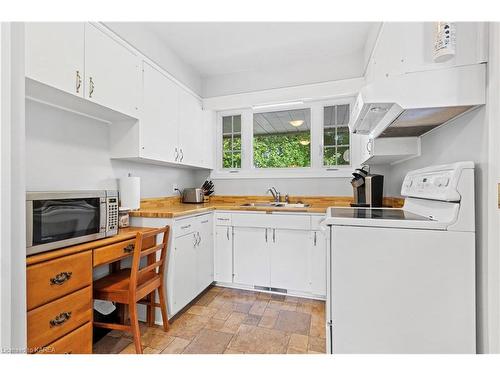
(316, 169)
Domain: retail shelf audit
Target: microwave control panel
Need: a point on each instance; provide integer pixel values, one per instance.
(112, 217)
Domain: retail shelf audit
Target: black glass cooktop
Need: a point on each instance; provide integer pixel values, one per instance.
(375, 213)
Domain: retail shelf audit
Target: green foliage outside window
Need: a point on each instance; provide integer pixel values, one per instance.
(282, 150)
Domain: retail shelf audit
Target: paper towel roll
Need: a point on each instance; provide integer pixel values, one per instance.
(130, 192)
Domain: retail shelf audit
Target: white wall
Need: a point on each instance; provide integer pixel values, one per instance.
(465, 138)
(345, 67)
(66, 151)
(151, 46)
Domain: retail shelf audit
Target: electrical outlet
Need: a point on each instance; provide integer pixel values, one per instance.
(174, 188)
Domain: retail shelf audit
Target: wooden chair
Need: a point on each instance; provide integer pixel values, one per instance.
(134, 285)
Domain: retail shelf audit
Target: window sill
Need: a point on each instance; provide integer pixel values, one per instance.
(340, 172)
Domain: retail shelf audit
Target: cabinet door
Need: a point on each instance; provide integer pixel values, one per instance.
(318, 263)
(55, 54)
(159, 116)
(112, 73)
(184, 282)
(290, 259)
(251, 256)
(205, 252)
(223, 254)
(190, 129)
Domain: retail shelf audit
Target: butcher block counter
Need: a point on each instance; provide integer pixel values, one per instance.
(170, 207)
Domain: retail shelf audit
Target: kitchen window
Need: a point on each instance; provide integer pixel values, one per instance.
(282, 139)
(336, 136)
(231, 142)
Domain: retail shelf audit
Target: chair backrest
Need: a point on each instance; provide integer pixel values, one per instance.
(154, 264)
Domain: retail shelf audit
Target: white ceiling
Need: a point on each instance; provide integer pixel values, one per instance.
(279, 122)
(220, 48)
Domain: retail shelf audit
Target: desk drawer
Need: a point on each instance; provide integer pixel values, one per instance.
(50, 280)
(78, 341)
(111, 253)
(55, 319)
(119, 250)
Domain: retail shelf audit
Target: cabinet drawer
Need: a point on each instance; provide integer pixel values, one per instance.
(49, 322)
(183, 227)
(78, 341)
(223, 218)
(285, 221)
(50, 280)
(117, 251)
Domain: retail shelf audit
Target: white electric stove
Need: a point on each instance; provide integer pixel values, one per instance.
(403, 280)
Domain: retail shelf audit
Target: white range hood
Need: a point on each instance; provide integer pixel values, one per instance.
(412, 104)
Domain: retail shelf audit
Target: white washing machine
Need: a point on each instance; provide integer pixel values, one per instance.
(403, 280)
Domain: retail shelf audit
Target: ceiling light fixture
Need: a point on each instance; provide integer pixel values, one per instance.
(296, 123)
(304, 142)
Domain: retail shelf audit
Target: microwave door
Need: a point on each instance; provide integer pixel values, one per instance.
(64, 222)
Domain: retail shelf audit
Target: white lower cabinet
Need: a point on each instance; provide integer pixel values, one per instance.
(183, 286)
(291, 255)
(191, 262)
(318, 262)
(290, 259)
(205, 252)
(251, 256)
(223, 254)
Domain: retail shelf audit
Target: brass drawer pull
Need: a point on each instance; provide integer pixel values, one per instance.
(61, 278)
(60, 319)
(129, 248)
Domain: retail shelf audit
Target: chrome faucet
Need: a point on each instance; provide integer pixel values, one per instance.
(276, 194)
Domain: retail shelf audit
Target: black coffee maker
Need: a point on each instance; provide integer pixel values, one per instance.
(368, 188)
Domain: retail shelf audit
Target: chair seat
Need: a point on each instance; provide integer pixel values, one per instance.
(115, 286)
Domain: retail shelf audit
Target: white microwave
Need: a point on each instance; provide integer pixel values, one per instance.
(60, 219)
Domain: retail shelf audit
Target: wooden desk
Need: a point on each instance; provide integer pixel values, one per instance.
(59, 291)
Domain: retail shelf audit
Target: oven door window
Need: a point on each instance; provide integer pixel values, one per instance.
(60, 219)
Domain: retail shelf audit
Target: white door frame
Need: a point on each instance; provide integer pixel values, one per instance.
(13, 190)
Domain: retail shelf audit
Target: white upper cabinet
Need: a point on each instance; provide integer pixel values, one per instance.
(190, 129)
(55, 54)
(112, 73)
(159, 118)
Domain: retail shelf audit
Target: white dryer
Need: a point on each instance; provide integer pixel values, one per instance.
(403, 280)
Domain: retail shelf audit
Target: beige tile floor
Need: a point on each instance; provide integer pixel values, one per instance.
(232, 321)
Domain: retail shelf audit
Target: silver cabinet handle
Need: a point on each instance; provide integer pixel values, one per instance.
(223, 219)
(176, 154)
(369, 146)
(274, 234)
(204, 221)
(315, 238)
(91, 87)
(266, 235)
(199, 239)
(186, 226)
(195, 239)
(78, 81)
(227, 234)
(182, 154)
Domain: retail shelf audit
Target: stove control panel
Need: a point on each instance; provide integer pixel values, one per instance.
(436, 183)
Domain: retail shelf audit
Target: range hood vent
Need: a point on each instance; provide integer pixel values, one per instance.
(411, 104)
(416, 122)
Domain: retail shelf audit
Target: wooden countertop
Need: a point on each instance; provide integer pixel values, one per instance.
(170, 207)
(123, 235)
